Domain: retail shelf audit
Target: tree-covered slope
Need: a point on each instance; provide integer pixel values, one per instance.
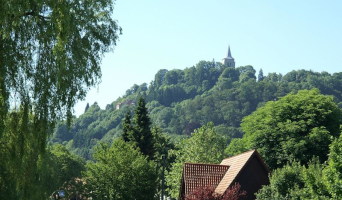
(179, 101)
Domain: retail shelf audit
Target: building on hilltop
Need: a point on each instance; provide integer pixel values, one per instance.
(127, 102)
(228, 60)
(248, 169)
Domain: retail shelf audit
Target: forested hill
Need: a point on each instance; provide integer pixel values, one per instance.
(179, 101)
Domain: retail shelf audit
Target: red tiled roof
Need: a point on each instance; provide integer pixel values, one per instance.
(200, 175)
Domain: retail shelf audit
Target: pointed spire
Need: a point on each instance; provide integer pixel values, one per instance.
(229, 54)
(228, 60)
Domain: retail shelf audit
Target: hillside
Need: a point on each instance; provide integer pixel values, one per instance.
(181, 100)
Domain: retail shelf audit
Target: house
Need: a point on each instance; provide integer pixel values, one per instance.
(127, 102)
(248, 169)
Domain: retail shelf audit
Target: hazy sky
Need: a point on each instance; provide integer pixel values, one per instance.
(274, 35)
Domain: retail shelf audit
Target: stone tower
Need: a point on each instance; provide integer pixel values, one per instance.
(228, 60)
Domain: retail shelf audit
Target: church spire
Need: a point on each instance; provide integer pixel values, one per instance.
(228, 60)
(229, 54)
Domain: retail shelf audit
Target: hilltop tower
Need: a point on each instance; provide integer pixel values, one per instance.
(228, 60)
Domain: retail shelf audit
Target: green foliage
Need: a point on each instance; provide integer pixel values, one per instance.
(237, 146)
(261, 75)
(246, 73)
(127, 127)
(203, 93)
(333, 172)
(67, 165)
(204, 146)
(298, 126)
(120, 172)
(94, 125)
(50, 55)
(139, 132)
(19, 154)
(58, 169)
(142, 131)
(316, 181)
(27, 167)
(162, 145)
(294, 181)
(27, 172)
(282, 181)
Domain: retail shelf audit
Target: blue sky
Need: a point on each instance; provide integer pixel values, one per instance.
(272, 35)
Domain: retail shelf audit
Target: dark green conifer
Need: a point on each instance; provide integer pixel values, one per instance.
(261, 75)
(138, 131)
(142, 131)
(127, 127)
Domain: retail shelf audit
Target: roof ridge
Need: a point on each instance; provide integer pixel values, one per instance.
(239, 154)
(225, 183)
(256, 153)
(204, 164)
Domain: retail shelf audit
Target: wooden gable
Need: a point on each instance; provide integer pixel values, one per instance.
(248, 169)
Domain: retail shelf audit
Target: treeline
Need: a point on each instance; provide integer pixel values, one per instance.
(180, 101)
(298, 137)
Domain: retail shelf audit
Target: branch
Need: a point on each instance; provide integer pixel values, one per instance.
(33, 13)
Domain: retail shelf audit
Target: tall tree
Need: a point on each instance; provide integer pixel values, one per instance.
(298, 126)
(261, 75)
(161, 157)
(50, 55)
(139, 131)
(127, 127)
(142, 133)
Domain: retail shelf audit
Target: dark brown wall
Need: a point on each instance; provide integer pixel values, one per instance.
(252, 177)
(182, 189)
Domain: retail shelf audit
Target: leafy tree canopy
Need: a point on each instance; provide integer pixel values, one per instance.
(294, 181)
(121, 172)
(50, 54)
(298, 126)
(310, 181)
(201, 94)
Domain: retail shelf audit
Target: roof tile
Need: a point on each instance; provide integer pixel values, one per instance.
(200, 175)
